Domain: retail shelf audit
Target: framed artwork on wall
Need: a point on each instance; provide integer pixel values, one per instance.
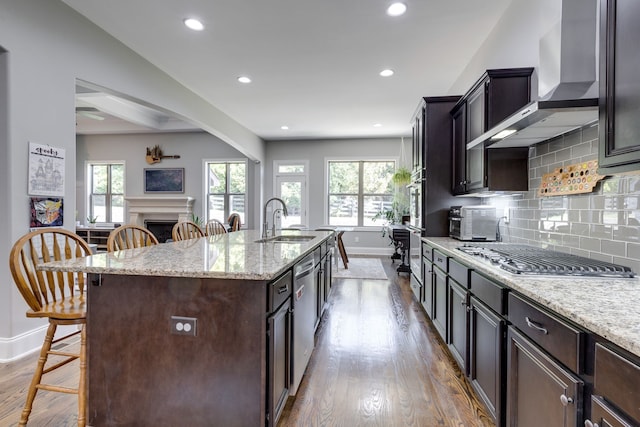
(164, 180)
(46, 212)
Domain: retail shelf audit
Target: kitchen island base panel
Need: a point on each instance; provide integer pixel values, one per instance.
(141, 371)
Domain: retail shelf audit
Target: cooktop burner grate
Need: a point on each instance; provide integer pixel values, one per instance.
(524, 259)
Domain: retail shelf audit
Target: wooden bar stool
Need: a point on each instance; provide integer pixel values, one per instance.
(130, 236)
(214, 227)
(57, 296)
(185, 230)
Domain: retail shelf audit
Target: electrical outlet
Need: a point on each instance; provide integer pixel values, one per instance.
(183, 325)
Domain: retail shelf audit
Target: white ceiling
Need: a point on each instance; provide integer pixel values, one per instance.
(314, 63)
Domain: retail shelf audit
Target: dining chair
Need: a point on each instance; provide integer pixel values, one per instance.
(130, 236)
(234, 221)
(58, 297)
(184, 230)
(214, 227)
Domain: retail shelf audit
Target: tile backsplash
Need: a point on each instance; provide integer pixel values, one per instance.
(603, 224)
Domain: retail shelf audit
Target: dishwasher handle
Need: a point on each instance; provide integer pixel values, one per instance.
(304, 268)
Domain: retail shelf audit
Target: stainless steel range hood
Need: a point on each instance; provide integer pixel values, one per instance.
(567, 82)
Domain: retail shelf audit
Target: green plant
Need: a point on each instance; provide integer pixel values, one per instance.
(197, 220)
(402, 176)
(92, 219)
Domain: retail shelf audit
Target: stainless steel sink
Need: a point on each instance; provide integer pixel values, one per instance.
(286, 239)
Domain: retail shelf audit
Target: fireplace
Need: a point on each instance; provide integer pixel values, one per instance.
(160, 229)
(157, 208)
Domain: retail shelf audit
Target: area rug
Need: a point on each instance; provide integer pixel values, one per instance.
(360, 268)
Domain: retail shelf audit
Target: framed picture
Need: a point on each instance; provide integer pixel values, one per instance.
(46, 212)
(165, 180)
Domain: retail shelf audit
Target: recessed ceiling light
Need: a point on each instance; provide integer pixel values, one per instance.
(386, 73)
(244, 79)
(284, 127)
(396, 9)
(377, 125)
(194, 24)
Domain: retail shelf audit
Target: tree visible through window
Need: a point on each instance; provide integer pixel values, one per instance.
(358, 190)
(226, 189)
(106, 192)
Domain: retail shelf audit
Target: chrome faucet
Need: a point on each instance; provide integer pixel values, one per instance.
(265, 225)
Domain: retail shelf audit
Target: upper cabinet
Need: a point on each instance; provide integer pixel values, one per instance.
(619, 86)
(494, 97)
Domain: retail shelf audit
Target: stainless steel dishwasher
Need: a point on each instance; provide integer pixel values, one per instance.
(304, 313)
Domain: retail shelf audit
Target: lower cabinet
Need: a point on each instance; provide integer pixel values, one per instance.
(540, 391)
(458, 323)
(605, 415)
(439, 315)
(278, 362)
(487, 357)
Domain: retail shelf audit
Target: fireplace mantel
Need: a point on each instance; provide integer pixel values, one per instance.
(142, 208)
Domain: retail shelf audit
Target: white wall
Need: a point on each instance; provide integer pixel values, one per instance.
(317, 152)
(192, 147)
(48, 47)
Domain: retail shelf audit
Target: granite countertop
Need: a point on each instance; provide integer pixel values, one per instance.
(226, 256)
(608, 307)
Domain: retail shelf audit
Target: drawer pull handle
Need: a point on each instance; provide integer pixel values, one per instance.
(565, 400)
(283, 289)
(589, 423)
(536, 326)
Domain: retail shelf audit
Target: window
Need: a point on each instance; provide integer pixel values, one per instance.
(358, 190)
(226, 187)
(291, 187)
(106, 191)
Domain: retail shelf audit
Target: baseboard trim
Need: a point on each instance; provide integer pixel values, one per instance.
(22, 345)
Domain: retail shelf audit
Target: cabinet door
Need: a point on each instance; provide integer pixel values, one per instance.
(321, 292)
(279, 345)
(427, 286)
(619, 86)
(458, 323)
(459, 145)
(475, 167)
(418, 139)
(476, 111)
(541, 392)
(487, 357)
(604, 415)
(439, 316)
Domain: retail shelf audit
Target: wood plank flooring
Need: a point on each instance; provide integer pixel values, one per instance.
(377, 362)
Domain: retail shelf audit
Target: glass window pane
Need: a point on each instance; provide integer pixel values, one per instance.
(291, 193)
(237, 178)
(376, 177)
(236, 203)
(117, 179)
(99, 179)
(98, 207)
(217, 178)
(343, 177)
(378, 207)
(216, 207)
(117, 209)
(343, 210)
(291, 169)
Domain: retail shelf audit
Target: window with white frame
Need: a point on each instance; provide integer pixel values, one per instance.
(291, 186)
(358, 191)
(105, 183)
(226, 188)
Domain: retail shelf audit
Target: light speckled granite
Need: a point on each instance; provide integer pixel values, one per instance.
(228, 256)
(608, 307)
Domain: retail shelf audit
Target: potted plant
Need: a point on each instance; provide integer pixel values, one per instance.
(91, 220)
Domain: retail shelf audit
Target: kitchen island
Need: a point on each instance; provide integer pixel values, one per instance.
(183, 333)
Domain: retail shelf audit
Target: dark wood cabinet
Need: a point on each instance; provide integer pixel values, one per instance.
(278, 362)
(619, 145)
(605, 415)
(487, 352)
(458, 323)
(494, 97)
(439, 315)
(541, 392)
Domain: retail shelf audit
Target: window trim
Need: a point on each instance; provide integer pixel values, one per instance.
(88, 183)
(328, 160)
(204, 206)
(304, 175)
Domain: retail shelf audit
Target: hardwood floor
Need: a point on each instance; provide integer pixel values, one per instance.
(377, 362)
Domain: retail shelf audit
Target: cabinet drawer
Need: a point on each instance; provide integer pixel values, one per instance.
(279, 290)
(459, 272)
(602, 414)
(562, 340)
(489, 292)
(440, 260)
(617, 380)
(427, 252)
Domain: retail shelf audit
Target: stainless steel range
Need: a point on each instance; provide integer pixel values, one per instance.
(524, 259)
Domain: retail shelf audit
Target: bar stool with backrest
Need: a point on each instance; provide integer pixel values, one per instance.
(58, 297)
(130, 236)
(234, 222)
(214, 227)
(184, 230)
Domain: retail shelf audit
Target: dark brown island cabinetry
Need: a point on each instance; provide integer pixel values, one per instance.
(494, 97)
(619, 86)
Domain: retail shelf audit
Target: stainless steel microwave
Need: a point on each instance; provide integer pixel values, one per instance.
(473, 223)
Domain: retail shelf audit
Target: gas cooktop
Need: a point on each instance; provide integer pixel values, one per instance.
(524, 259)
